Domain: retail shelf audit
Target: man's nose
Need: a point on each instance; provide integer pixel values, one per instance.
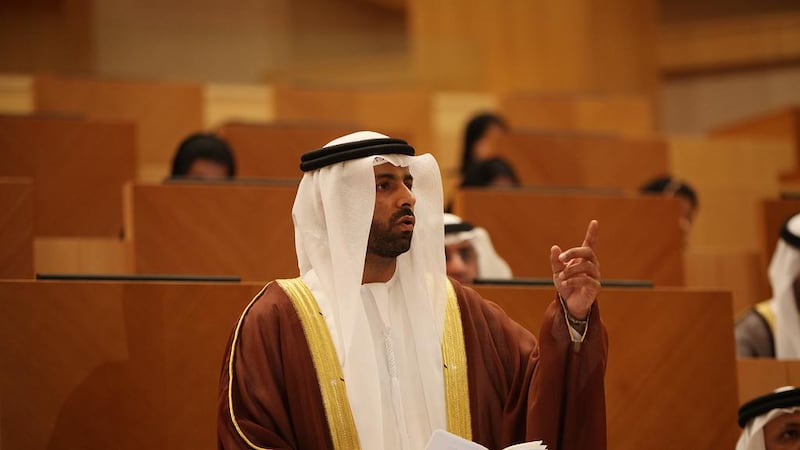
(455, 265)
(406, 197)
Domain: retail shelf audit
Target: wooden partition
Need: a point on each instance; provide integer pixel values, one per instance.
(273, 150)
(619, 114)
(665, 346)
(143, 362)
(586, 160)
(760, 376)
(741, 272)
(16, 227)
(164, 113)
(113, 365)
(78, 168)
(388, 111)
(206, 229)
(639, 236)
(775, 214)
(782, 125)
(731, 178)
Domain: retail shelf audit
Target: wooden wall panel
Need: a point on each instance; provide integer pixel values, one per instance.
(78, 168)
(17, 223)
(143, 361)
(164, 113)
(274, 150)
(782, 125)
(237, 230)
(639, 236)
(584, 160)
(661, 343)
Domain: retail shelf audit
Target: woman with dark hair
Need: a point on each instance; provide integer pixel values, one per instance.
(480, 165)
(204, 156)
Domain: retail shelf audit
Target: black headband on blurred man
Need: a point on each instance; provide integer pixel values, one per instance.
(332, 154)
(790, 236)
(766, 403)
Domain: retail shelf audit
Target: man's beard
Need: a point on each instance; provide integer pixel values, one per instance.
(387, 243)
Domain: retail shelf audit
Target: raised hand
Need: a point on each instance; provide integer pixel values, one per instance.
(576, 274)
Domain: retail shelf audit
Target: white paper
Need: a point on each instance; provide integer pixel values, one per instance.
(444, 440)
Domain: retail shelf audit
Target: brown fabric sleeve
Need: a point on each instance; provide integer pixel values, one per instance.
(566, 402)
(523, 390)
(274, 392)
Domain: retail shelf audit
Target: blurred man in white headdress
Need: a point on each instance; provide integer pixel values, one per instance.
(372, 347)
(469, 252)
(771, 422)
(771, 329)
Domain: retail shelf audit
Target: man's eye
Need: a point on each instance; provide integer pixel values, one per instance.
(382, 186)
(790, 435)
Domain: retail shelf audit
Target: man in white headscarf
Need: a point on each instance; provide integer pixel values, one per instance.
(469, 253)
(771, 329)
(771, 422)
(372, 347)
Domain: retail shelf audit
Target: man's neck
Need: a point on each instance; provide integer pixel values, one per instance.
(378, 269)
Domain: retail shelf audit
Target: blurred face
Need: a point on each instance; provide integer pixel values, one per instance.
(486, 146)
(393, 217)
(783, 432)
(207, 169)
(462, 262)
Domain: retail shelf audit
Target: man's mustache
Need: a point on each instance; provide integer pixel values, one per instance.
(402, 212)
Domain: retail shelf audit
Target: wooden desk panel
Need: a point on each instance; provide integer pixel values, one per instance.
(585, 160)
(142, 360)
(774, 216)
(783, 125)
(237, 230)
(744, 173)
(626, 115)
(113, 365)
(78, 168)
(665, 346)
(760, 376)
(273, 151)
(16, 227)
(164, 113)
(639, 236)
(386, 111)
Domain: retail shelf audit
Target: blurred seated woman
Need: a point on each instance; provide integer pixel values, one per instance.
(480, 165)
(203, 156)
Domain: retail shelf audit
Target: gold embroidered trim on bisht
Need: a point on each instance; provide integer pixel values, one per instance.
(454, 357)
(329, 371)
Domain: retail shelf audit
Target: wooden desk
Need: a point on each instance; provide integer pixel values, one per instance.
(124, 365)
(78, 168)
(639, 236)
(213, 229)
(16, 227)
(273, 150)
(585, 160)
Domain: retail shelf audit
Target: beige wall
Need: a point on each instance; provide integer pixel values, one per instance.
(694, 104)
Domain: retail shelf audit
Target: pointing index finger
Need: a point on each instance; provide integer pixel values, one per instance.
(591, 235)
